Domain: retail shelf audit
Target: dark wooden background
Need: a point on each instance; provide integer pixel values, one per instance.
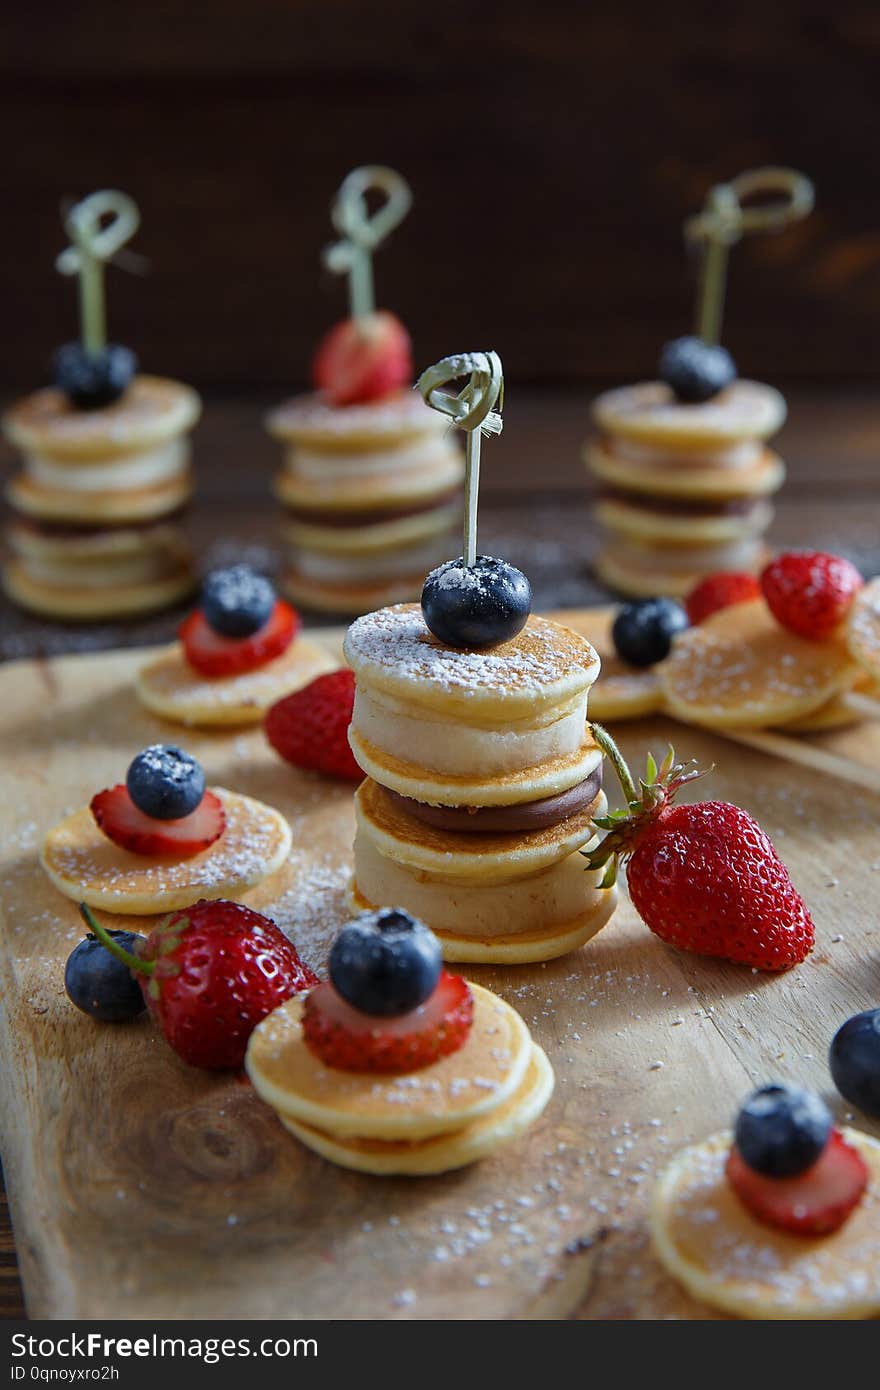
(554, 150)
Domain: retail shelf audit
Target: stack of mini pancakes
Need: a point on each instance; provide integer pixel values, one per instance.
(482, 783)
(684, 488)
(97, 531)
(443, 1116)
(371, 496)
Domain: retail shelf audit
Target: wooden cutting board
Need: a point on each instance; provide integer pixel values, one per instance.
(144, 1189)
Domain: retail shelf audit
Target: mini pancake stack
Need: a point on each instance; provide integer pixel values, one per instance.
(96, 533)
(443, 1116)
(371, 493)
(482, 783)
(684, 487)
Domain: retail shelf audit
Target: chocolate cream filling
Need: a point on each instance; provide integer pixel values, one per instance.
(678, 506)
(523, 816)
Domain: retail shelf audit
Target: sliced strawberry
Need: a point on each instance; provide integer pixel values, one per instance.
(213, 655)
(310, 727)
(815, 1202)
(122, 822)
(345, 1038)
(362, 360)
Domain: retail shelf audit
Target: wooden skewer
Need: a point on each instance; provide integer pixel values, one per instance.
(796, 750)
(866, 705)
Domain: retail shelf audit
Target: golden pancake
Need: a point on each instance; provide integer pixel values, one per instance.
(863, 628)
(649, 412)
(401, 532)
(393, 651)
(378, 493)
(621, 691)
(445, 1096)
(113, 507)
(85, 865)
(27, 540)
(679, 529)
(171, 688)
(646, 574)
(77, 602)
(151, 411)
(726, 1258)
(311, 421)
(741, 670)
(347, 600)
(690, 481)
(445, 1152)
(526, 947)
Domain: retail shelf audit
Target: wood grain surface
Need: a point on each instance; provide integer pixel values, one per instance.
(143, 1188)
(554, 152)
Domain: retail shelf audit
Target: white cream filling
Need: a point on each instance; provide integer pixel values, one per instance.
(144, 469)
(382, 564)
(460, 750)
(740, 455)
(320, 465)
(554, 897)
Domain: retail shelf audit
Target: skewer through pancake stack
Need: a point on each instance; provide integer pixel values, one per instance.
(482, 782)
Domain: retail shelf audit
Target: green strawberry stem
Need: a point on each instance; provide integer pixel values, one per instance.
(135, 963)
(618, 762)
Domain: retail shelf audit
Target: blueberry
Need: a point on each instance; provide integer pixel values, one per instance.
(93, 379)
(476, 605)
(643, 631)
(782, 1130)
(854, 1058)
(165, 783)
(695, 370)
(237, 601)
(101, 985)
(385, 963)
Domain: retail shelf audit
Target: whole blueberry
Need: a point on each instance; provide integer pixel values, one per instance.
(782, 1130)
(91, 380)
(385, 963)
(643, 631)
(695, 370)
(101, 985)
(476, 605)
(854, 1058)
(164, 782)
(237, 601)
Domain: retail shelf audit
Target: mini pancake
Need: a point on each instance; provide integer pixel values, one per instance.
(444, 1152)
(401, 532)
(836, 714)
(77, 602)
(863, 629)
(621, 691)
(447, 1095)
(521, 948)
(670, 528)
(646, 573)
(724, 1257)
(88, 867)
(459, 856)
(171, 688)
(377, 492)
(741, 670)
(687, 480)
(311, 421)
(152, 411)
(649, 412)
(348, 599)
(30, 541)
(113, 507)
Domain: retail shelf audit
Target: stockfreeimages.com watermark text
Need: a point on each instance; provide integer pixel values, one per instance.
(94, 1346)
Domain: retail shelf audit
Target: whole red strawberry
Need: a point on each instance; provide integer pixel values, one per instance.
(810, 592)
(310, 727)
(719, 591)
(210, 973)
(703, 877)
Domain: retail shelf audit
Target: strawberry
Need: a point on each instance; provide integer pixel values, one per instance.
(718, 591)
(704, 877)
(346, 1038)
(813, 1203)
(213, 655)
(310, 727)
(209, 975)
(125, 825)
(363, 359)
(810, 592)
